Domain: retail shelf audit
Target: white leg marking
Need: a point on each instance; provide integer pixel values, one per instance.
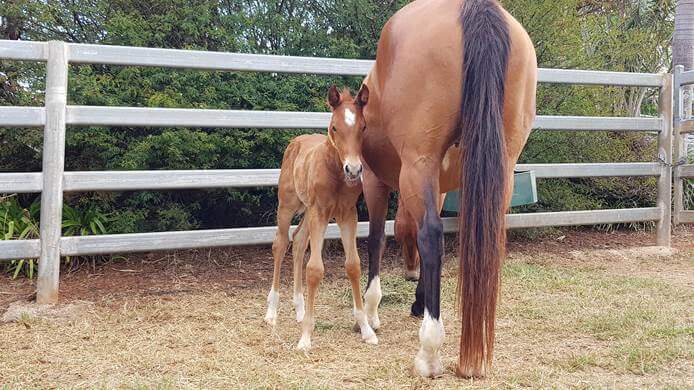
(372, 298)
(273, 301)
(299, 307)
(304, 342)
(367, 334)
(431, 335)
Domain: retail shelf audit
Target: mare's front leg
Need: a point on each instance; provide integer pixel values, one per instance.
(347, 222)
(420, 194)
(376, 196)
(317, 220)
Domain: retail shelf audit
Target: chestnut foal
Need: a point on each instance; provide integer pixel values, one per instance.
(321, 177)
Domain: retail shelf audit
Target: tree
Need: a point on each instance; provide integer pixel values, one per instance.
(683, 50)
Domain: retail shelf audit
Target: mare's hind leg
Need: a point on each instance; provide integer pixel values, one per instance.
(418, 305)
(317, 223)
(298, 252)
(376, 197)
(420, 196)
(347, 222)
(285, 212)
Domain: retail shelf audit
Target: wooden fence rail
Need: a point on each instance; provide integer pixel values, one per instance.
(52, 182)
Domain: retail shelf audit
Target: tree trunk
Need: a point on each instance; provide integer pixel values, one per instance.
(683, 47)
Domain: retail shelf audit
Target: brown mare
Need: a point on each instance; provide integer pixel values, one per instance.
(413, 116)
(321, 177)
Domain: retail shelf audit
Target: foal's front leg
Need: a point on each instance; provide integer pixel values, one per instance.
(317, 222)
(348, 227)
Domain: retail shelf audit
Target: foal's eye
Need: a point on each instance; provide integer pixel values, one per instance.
(334, 129)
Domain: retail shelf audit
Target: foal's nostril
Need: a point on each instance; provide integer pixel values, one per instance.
(347, 169)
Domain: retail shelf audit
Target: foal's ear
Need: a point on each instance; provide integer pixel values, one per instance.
(363, 95)
(334, 96)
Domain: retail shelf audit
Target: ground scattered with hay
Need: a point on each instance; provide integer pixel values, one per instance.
(586, 309)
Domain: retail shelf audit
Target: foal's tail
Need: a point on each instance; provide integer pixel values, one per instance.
(482, 180)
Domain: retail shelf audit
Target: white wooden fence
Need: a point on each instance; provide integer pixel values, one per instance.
(52, 182)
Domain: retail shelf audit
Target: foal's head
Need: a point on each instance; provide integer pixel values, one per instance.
(346, 129)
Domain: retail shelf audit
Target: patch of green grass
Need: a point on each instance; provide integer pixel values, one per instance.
(639, 323)
(580, 362)
(535, 276)
(671, 332)
(644, 358)
(163, 384)
(322, 326)
(619, 323)
(397, 292)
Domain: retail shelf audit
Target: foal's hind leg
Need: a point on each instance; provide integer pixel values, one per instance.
(298, 251)
(348, 227)
(317, 223)
(279, 249)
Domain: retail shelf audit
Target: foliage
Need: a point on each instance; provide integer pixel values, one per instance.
(625, 35)
(18, 222)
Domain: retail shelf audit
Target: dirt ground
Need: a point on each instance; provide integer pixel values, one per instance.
(578, 308)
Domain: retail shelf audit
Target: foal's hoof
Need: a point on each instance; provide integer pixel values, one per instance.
(417, 309)
(373, 340)
(368, 336)
(271, 318)
(272, 321)
(304, 344)
(374, 321)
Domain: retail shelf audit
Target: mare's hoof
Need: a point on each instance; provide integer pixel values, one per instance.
(412, 276)
(417, 310)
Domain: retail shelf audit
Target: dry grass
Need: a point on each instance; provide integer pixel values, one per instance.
(582, 319)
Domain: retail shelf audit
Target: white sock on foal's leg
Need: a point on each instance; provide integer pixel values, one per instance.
(299, 306)
(372, 298)
(431, 335)
(273, 301)
(305, 340)
(367, 333)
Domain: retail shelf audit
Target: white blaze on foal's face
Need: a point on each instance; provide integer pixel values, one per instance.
(350, 117)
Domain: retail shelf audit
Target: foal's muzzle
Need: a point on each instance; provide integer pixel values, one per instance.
(353, 172)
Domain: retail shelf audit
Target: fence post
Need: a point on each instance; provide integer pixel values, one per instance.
(664, 226)
(52, 172)
(679, 144)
